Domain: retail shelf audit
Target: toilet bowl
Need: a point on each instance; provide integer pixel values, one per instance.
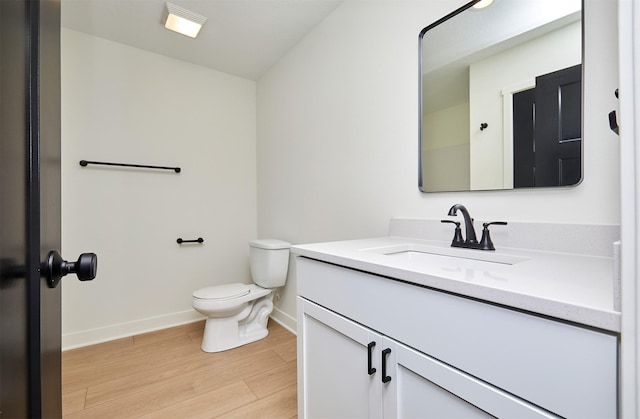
(237, 313)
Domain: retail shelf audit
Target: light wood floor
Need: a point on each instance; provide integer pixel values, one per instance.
(164, 374)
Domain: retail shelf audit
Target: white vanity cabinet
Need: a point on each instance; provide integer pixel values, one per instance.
(349, 371)
(445, 356)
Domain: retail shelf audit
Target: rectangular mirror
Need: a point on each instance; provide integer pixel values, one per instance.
(501, 97)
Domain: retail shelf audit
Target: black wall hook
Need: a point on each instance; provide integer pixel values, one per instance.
(483, 126)
(613, 122)
(613, 118)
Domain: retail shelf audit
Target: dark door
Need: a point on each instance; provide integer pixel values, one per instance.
(553, 142)
(559, 127)
(30, 333)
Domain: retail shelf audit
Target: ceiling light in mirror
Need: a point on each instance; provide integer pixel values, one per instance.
(482, 4)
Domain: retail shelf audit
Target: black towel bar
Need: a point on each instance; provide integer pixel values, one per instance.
(198, 240)
(87, 162)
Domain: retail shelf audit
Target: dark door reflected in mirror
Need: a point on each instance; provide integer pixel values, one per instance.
(501, 97)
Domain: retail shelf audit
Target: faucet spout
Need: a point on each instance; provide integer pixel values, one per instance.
(470, 232)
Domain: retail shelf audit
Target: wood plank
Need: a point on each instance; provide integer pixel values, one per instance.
(273, 380)
(123, 347)
(130, 362)
(160, 335)
(175, 389)
(219, 368)
(73, 401)
(96, 351)
(287, 350)
(208, 405)
(282, 404)
(134, 351)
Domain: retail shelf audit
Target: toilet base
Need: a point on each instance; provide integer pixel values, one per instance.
(221, 334)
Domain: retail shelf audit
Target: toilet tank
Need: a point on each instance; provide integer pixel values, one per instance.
(269, 262)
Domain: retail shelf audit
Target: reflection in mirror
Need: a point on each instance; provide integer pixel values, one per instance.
(501, 91)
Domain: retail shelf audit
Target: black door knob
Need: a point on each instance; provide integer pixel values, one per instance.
(55, 267)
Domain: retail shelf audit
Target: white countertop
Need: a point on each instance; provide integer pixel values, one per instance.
(571, 287)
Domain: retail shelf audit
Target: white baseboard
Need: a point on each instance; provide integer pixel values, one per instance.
(122, 330)
(284, 320)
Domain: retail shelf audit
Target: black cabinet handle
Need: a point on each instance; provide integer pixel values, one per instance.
(370, 370)
(385, 377)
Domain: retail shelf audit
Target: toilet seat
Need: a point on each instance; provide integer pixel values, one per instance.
(222, 292)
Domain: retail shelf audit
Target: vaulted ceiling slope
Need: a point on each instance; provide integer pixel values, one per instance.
(241, 37)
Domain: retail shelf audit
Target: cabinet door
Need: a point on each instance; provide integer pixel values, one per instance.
(334, 365)
(422, 387)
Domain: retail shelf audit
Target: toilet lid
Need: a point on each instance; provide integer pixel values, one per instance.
(222, 292)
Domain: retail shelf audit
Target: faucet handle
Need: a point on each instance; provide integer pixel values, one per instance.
(485, 242)
(457, 236)
(498, 223)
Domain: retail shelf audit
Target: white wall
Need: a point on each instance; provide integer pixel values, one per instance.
(338, 132)
(122, 104)
(445, 145)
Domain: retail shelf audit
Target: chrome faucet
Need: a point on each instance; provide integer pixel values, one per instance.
(470, 241)
(469, 231)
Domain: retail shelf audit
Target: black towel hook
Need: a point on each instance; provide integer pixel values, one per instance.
(613, 118)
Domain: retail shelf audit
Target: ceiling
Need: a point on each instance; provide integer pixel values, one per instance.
(240, 37)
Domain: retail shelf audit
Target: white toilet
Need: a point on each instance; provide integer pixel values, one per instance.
(237, 313)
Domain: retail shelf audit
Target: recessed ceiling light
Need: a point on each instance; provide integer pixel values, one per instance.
(183, 21)
(482, 4)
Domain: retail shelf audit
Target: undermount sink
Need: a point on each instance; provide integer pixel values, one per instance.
(421, 252)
